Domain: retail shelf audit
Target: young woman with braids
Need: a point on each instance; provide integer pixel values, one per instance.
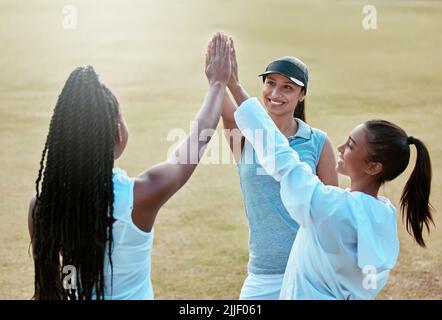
(347, 242)
(92, 216)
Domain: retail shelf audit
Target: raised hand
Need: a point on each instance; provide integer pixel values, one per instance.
(235, 88)
(234, 79)
(218, 64)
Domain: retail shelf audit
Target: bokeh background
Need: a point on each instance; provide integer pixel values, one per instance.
(151, 55)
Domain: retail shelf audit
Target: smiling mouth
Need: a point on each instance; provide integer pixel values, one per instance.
(276, 103)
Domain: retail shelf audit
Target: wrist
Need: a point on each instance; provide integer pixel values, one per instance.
(218, 84)
(234, 86)
(238, 93)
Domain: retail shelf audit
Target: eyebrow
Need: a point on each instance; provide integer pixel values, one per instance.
(353, 140)
(273, 79)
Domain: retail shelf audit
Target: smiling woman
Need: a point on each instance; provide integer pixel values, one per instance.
(290, 75)
(352, 155)
(280, 94)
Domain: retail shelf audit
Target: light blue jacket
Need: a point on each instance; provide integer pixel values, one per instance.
(347, 242)
(271, 229)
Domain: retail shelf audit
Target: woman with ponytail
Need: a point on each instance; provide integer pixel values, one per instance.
(347, 242)
(271, 230)
(389, 145)
(90, 216)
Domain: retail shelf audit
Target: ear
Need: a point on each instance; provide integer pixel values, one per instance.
(302, 95)
(374, 168)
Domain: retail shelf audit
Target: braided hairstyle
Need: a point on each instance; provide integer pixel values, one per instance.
(73, 214)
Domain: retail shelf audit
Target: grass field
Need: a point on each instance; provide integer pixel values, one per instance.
(151, 54)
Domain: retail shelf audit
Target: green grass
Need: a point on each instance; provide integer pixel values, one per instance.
(151, 54)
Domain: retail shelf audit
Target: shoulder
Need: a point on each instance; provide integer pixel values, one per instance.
(32, 203)
(123, 188)
(345, 201)
(319, 140)
(322, 142)
(333, 205)
(120, 176)
(308, 132)
(318, 132)
(122, 182)
(364, 207)
(319, 137)
(380, 203)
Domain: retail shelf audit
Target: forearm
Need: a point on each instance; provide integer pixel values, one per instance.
(210, 111)
(239, 93)
(271, 146)
(228, 109)
(163, 180)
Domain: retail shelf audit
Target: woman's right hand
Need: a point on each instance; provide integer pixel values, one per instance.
(218, 64)
(234, 79)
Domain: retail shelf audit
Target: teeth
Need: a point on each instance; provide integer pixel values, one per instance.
(275, 102)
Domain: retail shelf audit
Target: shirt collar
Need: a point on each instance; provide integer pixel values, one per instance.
(304, 130)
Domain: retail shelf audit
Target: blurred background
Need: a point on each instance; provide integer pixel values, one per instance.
(151, 55)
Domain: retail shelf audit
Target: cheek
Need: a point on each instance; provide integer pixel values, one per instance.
(340, 166)
(265, 91)
(348, 159)
(293, 96)
(345, 161)
(292, 100)
(353, 163)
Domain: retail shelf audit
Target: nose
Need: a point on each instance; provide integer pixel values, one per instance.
(276, 93)
(341, 148)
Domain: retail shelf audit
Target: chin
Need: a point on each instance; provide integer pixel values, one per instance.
(339, 170)
(278, 111)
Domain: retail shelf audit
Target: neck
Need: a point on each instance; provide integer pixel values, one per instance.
(369, 187)
(286, 124)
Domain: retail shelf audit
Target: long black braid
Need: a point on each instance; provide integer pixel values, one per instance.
(73, 215)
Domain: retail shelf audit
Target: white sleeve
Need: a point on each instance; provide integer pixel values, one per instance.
(300, 188)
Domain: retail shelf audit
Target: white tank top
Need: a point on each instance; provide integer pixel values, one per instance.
(132, 247)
